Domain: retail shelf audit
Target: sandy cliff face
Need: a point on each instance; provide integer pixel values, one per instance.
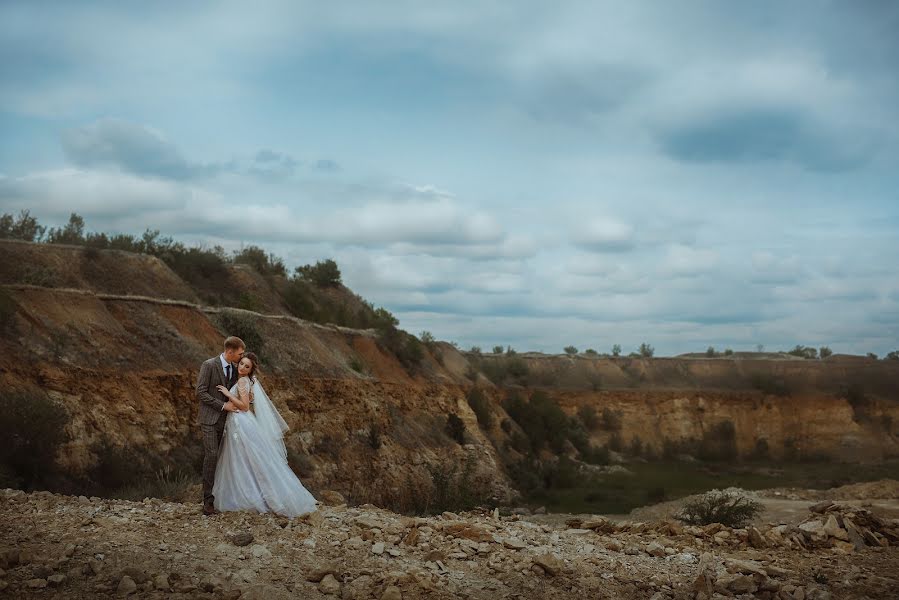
(125, 368)
(802, 426)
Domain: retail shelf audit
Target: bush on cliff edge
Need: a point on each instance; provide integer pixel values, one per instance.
(32, 428)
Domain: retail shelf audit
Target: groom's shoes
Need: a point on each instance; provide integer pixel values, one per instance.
(209, 510)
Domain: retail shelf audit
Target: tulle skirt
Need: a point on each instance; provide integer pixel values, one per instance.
(253, 475)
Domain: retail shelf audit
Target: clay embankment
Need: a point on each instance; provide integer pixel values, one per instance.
(124, 367)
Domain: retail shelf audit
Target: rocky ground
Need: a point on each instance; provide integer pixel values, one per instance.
(54, 546)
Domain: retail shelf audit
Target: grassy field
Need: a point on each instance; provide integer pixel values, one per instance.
(653, 482)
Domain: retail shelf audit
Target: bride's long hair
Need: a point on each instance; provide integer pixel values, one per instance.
(254, 360)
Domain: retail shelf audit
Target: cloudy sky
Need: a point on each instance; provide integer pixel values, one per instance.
(526, 173)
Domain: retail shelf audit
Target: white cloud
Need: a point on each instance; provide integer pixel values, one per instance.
(605, 235)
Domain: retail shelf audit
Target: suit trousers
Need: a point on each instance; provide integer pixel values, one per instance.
(212, 441)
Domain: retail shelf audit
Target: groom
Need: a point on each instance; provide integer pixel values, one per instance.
(214, 409)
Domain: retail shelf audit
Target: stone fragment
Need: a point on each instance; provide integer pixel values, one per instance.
(332, 498)
(260, 551)
(40, 571)
(736, 583)
(318, 573)
(833, 529)
(161, 583)
(366, 522)
(126, 586)
(756, 539)
(139, 576)
(377, 548)
(329, 585)
(515, 544)
(242, 539)
(56, 580)
(411, 538)
(36, 584)
(549, 563)
(469, 532)
(391, 592)
(598, 524)
(821, 507)
(655, 549)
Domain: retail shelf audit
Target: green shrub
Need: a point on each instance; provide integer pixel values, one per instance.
(243, 326)
(32, 428)
(611, 419)
(720, 507)
(710, 352)
(197, 266)
(497, 349)
(263, 263)
(570, 350)
(323, 273)
(357, 365)
(541, 419)
(825, 352)
(481, 407)
(452, 489)
(761, 451)
(770, 385)
(636, 447)
(646, 351)
(616, 350)
(587, 415)
(167, 483)
(116, 467)
(803, 352)
(24, 227)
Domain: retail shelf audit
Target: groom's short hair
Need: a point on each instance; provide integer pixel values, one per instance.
(234, 343)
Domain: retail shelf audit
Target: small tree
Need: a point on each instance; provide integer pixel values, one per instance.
(824, 352)
(25, 227)
(728, 352)
(894, 355)
(591, 352)
(570, 350)
(426, 338)
(323, 273)
(759, 348)
(616, 350)
(710, 352)
(497, 349)
(646, 351)
(476, 350)
(872, 356)
(72, 233)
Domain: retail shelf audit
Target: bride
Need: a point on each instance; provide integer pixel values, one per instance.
(252, 471)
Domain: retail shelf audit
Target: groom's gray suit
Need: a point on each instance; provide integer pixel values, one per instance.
(212, 417)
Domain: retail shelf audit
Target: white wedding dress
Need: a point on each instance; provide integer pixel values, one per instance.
(252, 472)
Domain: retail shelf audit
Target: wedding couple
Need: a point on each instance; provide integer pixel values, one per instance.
(244, 457)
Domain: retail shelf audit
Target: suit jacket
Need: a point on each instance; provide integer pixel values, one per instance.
(211, 399)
